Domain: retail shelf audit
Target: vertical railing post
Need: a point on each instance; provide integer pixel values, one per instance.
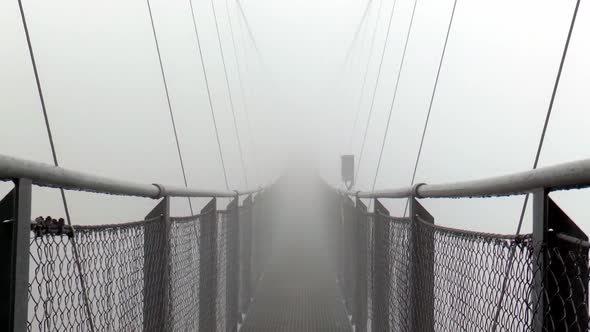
(232, 277)
(256, 239)
(342, 246)
(422, 269)
(156, 272)
(208, 268)
(336, 206)
(560, 281)
(348, 250)
(381, 273)
(246, 254)
(359, 317)
(15, 230)
(266, 240)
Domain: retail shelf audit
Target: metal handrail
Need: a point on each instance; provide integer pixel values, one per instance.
(570, 175)
(47, 175)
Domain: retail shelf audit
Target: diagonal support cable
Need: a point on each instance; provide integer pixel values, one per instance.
(358, 30)
(209, 94)
(426, 122)
(56, 163)
(231, 102)
(536, 162)
(261, 62)
(375, 91)
(241, 84)
(251, 35)
(399, 74)
(168, 101)
(364, 82)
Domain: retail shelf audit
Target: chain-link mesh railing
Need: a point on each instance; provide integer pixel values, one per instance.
(411, 275)
(186, 257)
(479, 282)
(176, 274)
(222, 262)
(396, 274)
(227, 269)
(112, 258)
(563, 289)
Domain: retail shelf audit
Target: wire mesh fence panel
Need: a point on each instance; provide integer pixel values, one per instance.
(261, 237)
(362, 267)
(112, 259)
(473, 272)
(400, 277)
(370, 270)
(207, 243)
(564, 290)
(156, 273)
(222, 262)
(185, 274)
(381, 267)
(257, 238)
(233, 267)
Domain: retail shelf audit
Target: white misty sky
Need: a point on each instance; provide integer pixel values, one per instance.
(105, 97)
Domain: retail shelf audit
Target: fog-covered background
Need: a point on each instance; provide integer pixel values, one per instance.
(108, 112)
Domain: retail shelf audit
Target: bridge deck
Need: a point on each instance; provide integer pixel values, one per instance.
(298, 291)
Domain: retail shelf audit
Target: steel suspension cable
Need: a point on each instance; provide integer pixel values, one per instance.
(168, 101)
(265, 69)
(375, 90)
(551, 102)
(363, 84)
(259, 57)
(356, 57)
(209, 94)
(56, 163)
(346, 77)
(242, 90)
(426, 122)
(399, 74)
(246, 34)
(537, 155)
(231, 102)
(251, 35)
(358, 30)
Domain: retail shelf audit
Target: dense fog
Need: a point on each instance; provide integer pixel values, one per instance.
(296, 95)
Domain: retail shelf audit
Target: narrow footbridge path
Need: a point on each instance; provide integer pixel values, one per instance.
(298, 291)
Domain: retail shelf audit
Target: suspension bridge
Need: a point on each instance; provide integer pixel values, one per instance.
(297, 254)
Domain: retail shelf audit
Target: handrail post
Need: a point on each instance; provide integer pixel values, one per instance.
(269, 215)
(381, 270)
(336, 206)
(156, 272)
(15, 228)
(246, 254)
(422, 268)
(232, 277)
(208, 267)
(560, 281)
(256, 239)
(348, 251)
(360, 302)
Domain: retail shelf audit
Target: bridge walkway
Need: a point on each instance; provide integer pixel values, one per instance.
(298, 290)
